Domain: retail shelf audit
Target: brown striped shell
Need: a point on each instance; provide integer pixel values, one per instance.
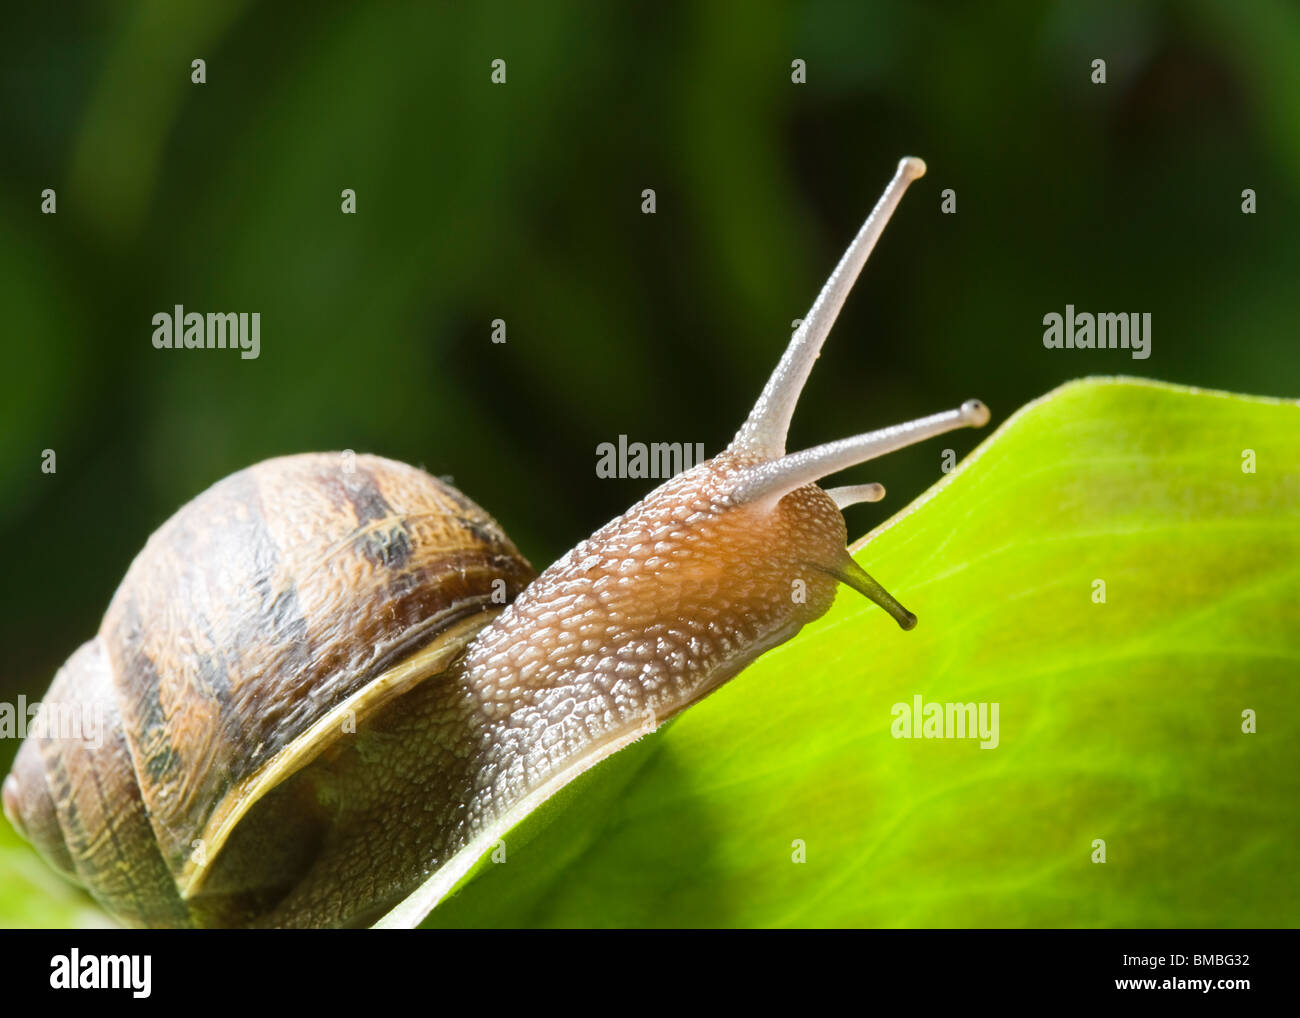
(261, 625)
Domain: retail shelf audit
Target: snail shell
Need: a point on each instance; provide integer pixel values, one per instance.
(271, 618)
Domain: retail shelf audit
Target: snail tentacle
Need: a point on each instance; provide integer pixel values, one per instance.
(764, 432)
(853, 494)
(780, 476)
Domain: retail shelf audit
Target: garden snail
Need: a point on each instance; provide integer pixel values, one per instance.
(323, 680)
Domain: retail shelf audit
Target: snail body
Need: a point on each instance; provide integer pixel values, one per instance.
(326, 682)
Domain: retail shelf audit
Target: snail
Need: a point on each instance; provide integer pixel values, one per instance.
(327, 680)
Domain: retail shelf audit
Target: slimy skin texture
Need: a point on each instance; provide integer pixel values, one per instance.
(643, 618)
(651, 613)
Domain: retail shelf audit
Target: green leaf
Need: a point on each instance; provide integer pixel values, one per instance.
(1119, 721)
(33, 896)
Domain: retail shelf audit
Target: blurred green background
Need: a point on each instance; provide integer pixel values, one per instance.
(523, 202)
